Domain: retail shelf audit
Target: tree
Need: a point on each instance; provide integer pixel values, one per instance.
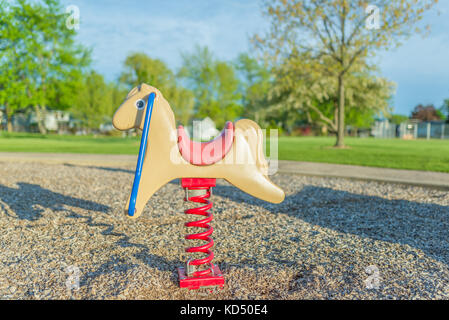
(255, 83)
(445, 109)
(298, 88)
(12, 88)
(425, 113)
(45, 52)
(336, 35)
(94, 101)
(140, 68)
(214, 84)
(397, 118)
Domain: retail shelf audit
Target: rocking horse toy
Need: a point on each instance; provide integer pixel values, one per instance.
(165, 154)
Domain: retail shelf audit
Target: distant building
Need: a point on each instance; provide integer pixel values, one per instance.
(54, 120)
(26, 121)
(106, 127)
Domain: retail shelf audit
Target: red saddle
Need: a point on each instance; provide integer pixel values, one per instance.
(206, 153)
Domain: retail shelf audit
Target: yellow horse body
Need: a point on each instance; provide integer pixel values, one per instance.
(244, 166)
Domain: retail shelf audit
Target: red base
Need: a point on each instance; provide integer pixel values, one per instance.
(193, 283)
(198, 182)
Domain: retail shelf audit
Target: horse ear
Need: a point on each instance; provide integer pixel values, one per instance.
(133, 91)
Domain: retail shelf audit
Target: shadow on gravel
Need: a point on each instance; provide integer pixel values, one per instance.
(120, 265)
(28, 201)
(424, 226)
(111, 169)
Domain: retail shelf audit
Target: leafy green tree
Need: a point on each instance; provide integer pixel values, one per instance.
(215, 86)
(445, 109)
(94, 101)
(398, 118)
(182, 101)
(118, 94)
(297, 87)
(255, 83)
(12, 88)
(46, 52)
(139, 68)
(336, 35)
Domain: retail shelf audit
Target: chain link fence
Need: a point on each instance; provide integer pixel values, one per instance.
(411, 130)
(431, 130)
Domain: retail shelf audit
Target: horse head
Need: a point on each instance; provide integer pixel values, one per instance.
(130, 114)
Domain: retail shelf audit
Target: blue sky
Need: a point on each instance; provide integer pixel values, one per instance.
(164, 29)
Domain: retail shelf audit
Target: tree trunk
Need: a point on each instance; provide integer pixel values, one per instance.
(9, 123)
(8, 119)
(341, 113)
(40, 119)
(336, 113)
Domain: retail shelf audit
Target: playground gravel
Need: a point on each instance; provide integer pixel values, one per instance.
(64, 235)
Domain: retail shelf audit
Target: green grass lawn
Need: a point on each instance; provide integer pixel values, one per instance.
(26, 142)
(432, 155)
(428, 155)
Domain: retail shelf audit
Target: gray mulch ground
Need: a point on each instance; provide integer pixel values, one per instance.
(330, 239)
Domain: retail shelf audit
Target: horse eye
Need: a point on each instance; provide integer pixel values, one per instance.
(140, 104)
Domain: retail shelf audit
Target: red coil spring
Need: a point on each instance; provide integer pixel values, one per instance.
(204, 223)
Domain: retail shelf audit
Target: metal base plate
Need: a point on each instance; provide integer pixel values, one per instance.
(193, 283)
